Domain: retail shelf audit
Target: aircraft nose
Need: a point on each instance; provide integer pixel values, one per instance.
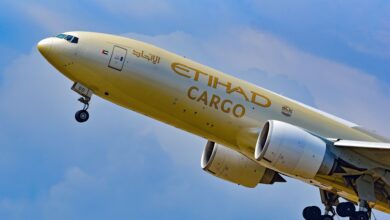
(44, 46)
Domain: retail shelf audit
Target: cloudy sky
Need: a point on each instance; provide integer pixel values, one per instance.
(333, 55)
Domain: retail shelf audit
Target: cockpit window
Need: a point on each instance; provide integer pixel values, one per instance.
(75, 40)
(61, 36)
(69, 38)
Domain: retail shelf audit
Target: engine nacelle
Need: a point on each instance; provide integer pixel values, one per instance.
(293, 150)
(233, 166)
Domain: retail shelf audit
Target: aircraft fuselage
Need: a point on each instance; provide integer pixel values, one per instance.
(190, 96)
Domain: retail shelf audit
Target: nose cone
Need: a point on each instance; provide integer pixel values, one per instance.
(44, 46)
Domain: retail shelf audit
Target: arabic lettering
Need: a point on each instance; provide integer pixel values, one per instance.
(149, 57)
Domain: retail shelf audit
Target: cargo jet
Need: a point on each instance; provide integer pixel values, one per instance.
(255, 136)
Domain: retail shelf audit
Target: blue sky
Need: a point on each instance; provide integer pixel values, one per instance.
(333, 55)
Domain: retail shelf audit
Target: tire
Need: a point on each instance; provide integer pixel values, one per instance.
(327, 217)
(360, 216)
(311, 212)
(345, 209)
(82, 116)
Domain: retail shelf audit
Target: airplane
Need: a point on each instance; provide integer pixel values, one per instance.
(254, 136)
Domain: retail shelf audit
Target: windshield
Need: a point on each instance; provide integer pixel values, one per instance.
(69, 38)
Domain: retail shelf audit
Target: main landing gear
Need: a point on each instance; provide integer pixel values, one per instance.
(314, 213)
(347, 209)
(364, 188)
(82, 115)
(344, 209)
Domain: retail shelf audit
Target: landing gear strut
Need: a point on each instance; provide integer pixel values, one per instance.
(364, 186)
(82, 115)
(329, 200)
(314, 213)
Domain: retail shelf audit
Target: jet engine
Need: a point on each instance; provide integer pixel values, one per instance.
(293, 150)
(233, 166)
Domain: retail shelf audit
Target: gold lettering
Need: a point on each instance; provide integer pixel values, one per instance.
(210, 82)
(239, 90)
(223, 105)
(228, 85)
(238, 114)
(215, 101)
(181, 69)
(185, 71)
(190, 90)
(265, 103)
(203, 98)
(197, 74)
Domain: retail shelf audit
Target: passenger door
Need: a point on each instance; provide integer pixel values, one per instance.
(118, 58)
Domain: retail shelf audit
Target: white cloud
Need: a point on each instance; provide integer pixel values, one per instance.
(339, 23)
(377, 45)
(50, 20)
(48, 17)
(56, 205)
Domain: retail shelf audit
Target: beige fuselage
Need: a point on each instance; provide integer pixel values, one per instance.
(194, 97)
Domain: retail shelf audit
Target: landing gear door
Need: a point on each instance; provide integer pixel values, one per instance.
(118, 58)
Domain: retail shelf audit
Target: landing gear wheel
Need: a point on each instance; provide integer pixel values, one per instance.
(326, 217)
(311, 213)
(345, 209)
(82, 116)
(360, 216)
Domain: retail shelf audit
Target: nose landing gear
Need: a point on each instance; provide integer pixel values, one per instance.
(82, 115)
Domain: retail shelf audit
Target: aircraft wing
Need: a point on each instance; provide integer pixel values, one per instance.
(378, 152)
